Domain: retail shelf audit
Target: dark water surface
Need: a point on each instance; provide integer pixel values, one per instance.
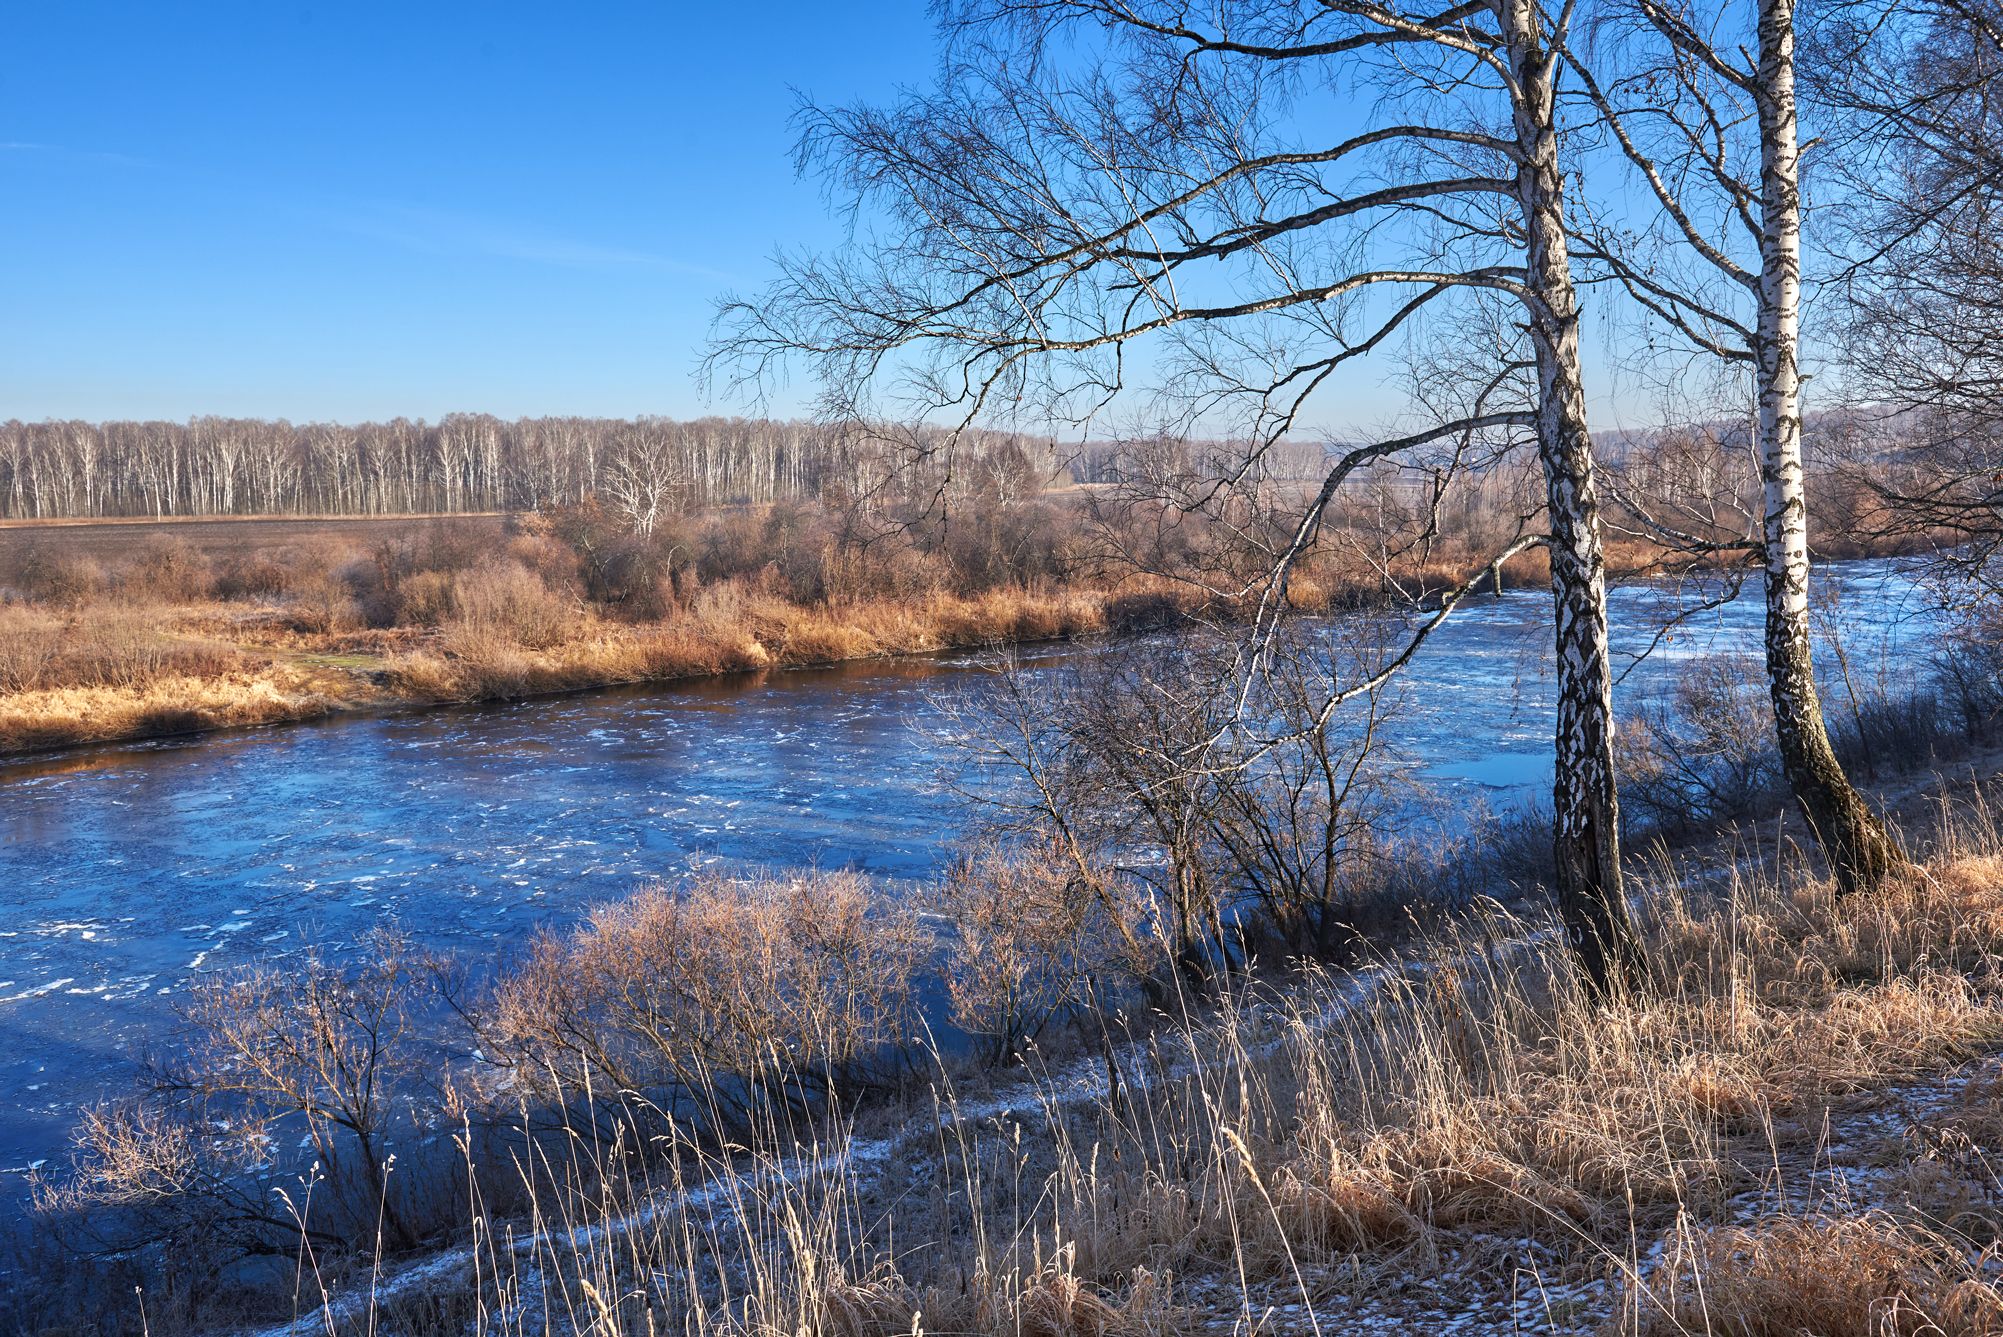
(125, 871)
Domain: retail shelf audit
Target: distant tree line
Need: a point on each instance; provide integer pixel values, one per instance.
(471, 462)
(646, 467)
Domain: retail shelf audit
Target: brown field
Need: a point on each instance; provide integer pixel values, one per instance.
(115, 539)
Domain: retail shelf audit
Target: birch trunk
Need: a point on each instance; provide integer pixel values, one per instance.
(1591, 898)
(1859, 848)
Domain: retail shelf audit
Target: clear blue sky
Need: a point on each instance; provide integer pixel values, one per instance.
(315, 211)
(310, 210)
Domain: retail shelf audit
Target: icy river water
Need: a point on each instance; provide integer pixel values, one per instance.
(127, 871)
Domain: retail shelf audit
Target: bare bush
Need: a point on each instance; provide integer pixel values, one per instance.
(1969, 671)
(61, 579)
(276, 1123)
(253, 575)
(31, 641)
(321, 605)
(1306, 818)
(1032, 945)
(172, 570)
(1204, 799)
(1703, 755)
(725, 992)
(324, 1043)
(508, 601)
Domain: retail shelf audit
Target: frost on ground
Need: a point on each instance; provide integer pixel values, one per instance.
(1462, 1143)
(1925, 1151)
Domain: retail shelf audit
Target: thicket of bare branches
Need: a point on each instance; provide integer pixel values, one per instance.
(1107, 809)
(1918, 86)
(271, 1131)
(729, 992)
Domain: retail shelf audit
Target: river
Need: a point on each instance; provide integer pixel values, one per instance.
(129, 870)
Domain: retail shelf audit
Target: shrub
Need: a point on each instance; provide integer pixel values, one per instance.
(726, 991)
(507, 602)
(31, 641)
(1705, 754)
(119, 647)
(311, 1061)
(1148, 610)
(423, 599)
(173, 570)
(252, 575)
(1032, 945)
(1969, 671)
(553, 562)
(322, 606)
(61, 579)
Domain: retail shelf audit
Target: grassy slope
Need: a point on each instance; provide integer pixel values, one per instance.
(1789, 1132)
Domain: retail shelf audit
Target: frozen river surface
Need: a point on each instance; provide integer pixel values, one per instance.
(125, 871)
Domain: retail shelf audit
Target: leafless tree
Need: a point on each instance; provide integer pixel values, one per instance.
(467, 462)
(1919, 86)
(1304, 826)
(645, 477)
(1700, 102)
(1100, 193)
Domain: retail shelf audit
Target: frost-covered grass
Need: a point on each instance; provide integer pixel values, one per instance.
(1462, 1140)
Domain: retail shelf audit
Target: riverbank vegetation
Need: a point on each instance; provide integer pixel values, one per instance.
(1212, 1025)
(1168, 1043)
(134, 629)
(1459, 1131)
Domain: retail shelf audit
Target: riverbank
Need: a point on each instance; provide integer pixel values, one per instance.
(257, 670)
(119, 632)
(1784, 1132)
(128, 630)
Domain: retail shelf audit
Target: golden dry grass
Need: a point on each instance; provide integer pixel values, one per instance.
(1429, 1136)
(267, 694)
(445, 614)
(1308, 1146)
(1869, 1275)
(116, 668)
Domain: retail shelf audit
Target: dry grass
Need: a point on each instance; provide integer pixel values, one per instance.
(178, 641)
(1869, 1275)
(1445, 1125)
(1316, 1145)
(171, 704)
(108, 621)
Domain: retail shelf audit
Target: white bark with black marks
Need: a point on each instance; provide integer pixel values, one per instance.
(1586, 805)
(1859, 848)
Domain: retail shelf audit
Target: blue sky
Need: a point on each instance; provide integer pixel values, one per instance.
(317, 211)
(362, 210)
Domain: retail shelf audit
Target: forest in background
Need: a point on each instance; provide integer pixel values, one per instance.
(477, 462)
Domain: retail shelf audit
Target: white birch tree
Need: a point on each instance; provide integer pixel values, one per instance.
(1701, 102)
(1107, 196)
